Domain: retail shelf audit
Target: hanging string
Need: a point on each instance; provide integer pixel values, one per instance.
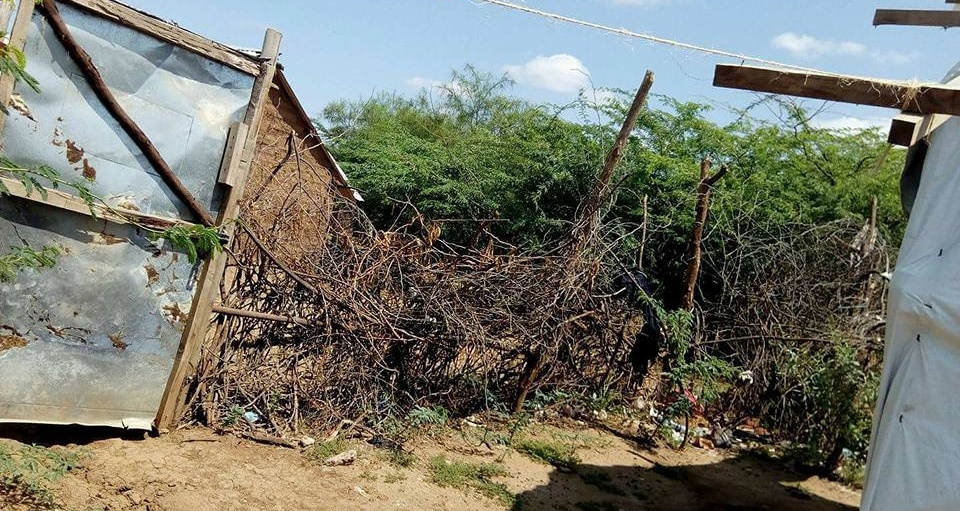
(652, 38)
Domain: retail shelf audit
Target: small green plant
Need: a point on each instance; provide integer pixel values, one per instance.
(27, 473)
(398, 457)
(23, 257)
(475, 476)
(320, 451)
(233, 416)
(196, 240)
(394, 477)
(851, 472)
(426, 416)
(550, 452)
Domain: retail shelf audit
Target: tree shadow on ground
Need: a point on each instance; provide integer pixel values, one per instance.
(743, 483)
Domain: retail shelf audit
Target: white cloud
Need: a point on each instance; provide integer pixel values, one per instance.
(894, 57)
(603, 97)
(557, 73)
(420, 82)
(846, 123)
(806, 46)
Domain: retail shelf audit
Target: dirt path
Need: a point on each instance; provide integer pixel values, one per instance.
(198, 471)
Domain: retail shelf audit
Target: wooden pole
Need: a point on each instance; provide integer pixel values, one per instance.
(230, 311)
(601, 187)
(643, 234)
(694, 251)
(95, 80)
(18, 37)
(188, 355)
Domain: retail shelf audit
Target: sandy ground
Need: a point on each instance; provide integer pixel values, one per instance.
(196, 470)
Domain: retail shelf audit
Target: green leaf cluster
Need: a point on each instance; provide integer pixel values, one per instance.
(196, 240)
(21, 257)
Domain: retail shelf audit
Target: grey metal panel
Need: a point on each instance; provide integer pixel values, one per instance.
(100, 328)
(184, 102)
(92, 340)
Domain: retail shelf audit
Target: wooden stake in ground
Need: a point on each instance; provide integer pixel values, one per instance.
(601, 188)
(588, 221)
(694, 251)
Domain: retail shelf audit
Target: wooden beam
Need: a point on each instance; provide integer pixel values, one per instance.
(915, 18)
(208, 289)
(232, 155)
(906, 96)
(907, 129)
(18, 37)
(170, 33)
(68, 202)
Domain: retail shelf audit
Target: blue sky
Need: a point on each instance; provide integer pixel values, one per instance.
(350, 49)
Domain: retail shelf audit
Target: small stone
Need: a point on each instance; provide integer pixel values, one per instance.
(344, 458)
(307, 441)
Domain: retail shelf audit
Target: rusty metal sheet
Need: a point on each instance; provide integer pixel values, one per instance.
(92, 340)
(184, 102)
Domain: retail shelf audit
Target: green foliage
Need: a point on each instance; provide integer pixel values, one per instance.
(424, 416)
(476, 476)
(550, 452)
(196, 240)
(398, 457)
(25, 257)
(320, 451)
(14, 62)
(27, 473)
(828, 398)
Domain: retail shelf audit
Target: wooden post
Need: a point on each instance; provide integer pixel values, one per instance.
(18, 37)
(209, 283)
(643, 234)
(694, 251)
(601, 188)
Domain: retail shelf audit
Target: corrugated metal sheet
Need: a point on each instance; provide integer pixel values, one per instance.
(92, 340)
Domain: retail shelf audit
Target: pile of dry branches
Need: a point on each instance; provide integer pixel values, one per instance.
(386, 321)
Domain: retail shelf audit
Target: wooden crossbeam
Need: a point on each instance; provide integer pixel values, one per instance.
(66, 201)
(907, 129)
(922, 99)
(909, 17)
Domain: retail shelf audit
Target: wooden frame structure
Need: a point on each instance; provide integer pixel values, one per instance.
(924, 106)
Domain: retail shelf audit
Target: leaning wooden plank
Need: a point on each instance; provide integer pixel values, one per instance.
(70, 202)
(906, 96)
(95, 80)
(188, 354)
(170, 33)
(18, 36)
(908, 17)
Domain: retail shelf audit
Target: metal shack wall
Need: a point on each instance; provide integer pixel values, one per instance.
(92, 340)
